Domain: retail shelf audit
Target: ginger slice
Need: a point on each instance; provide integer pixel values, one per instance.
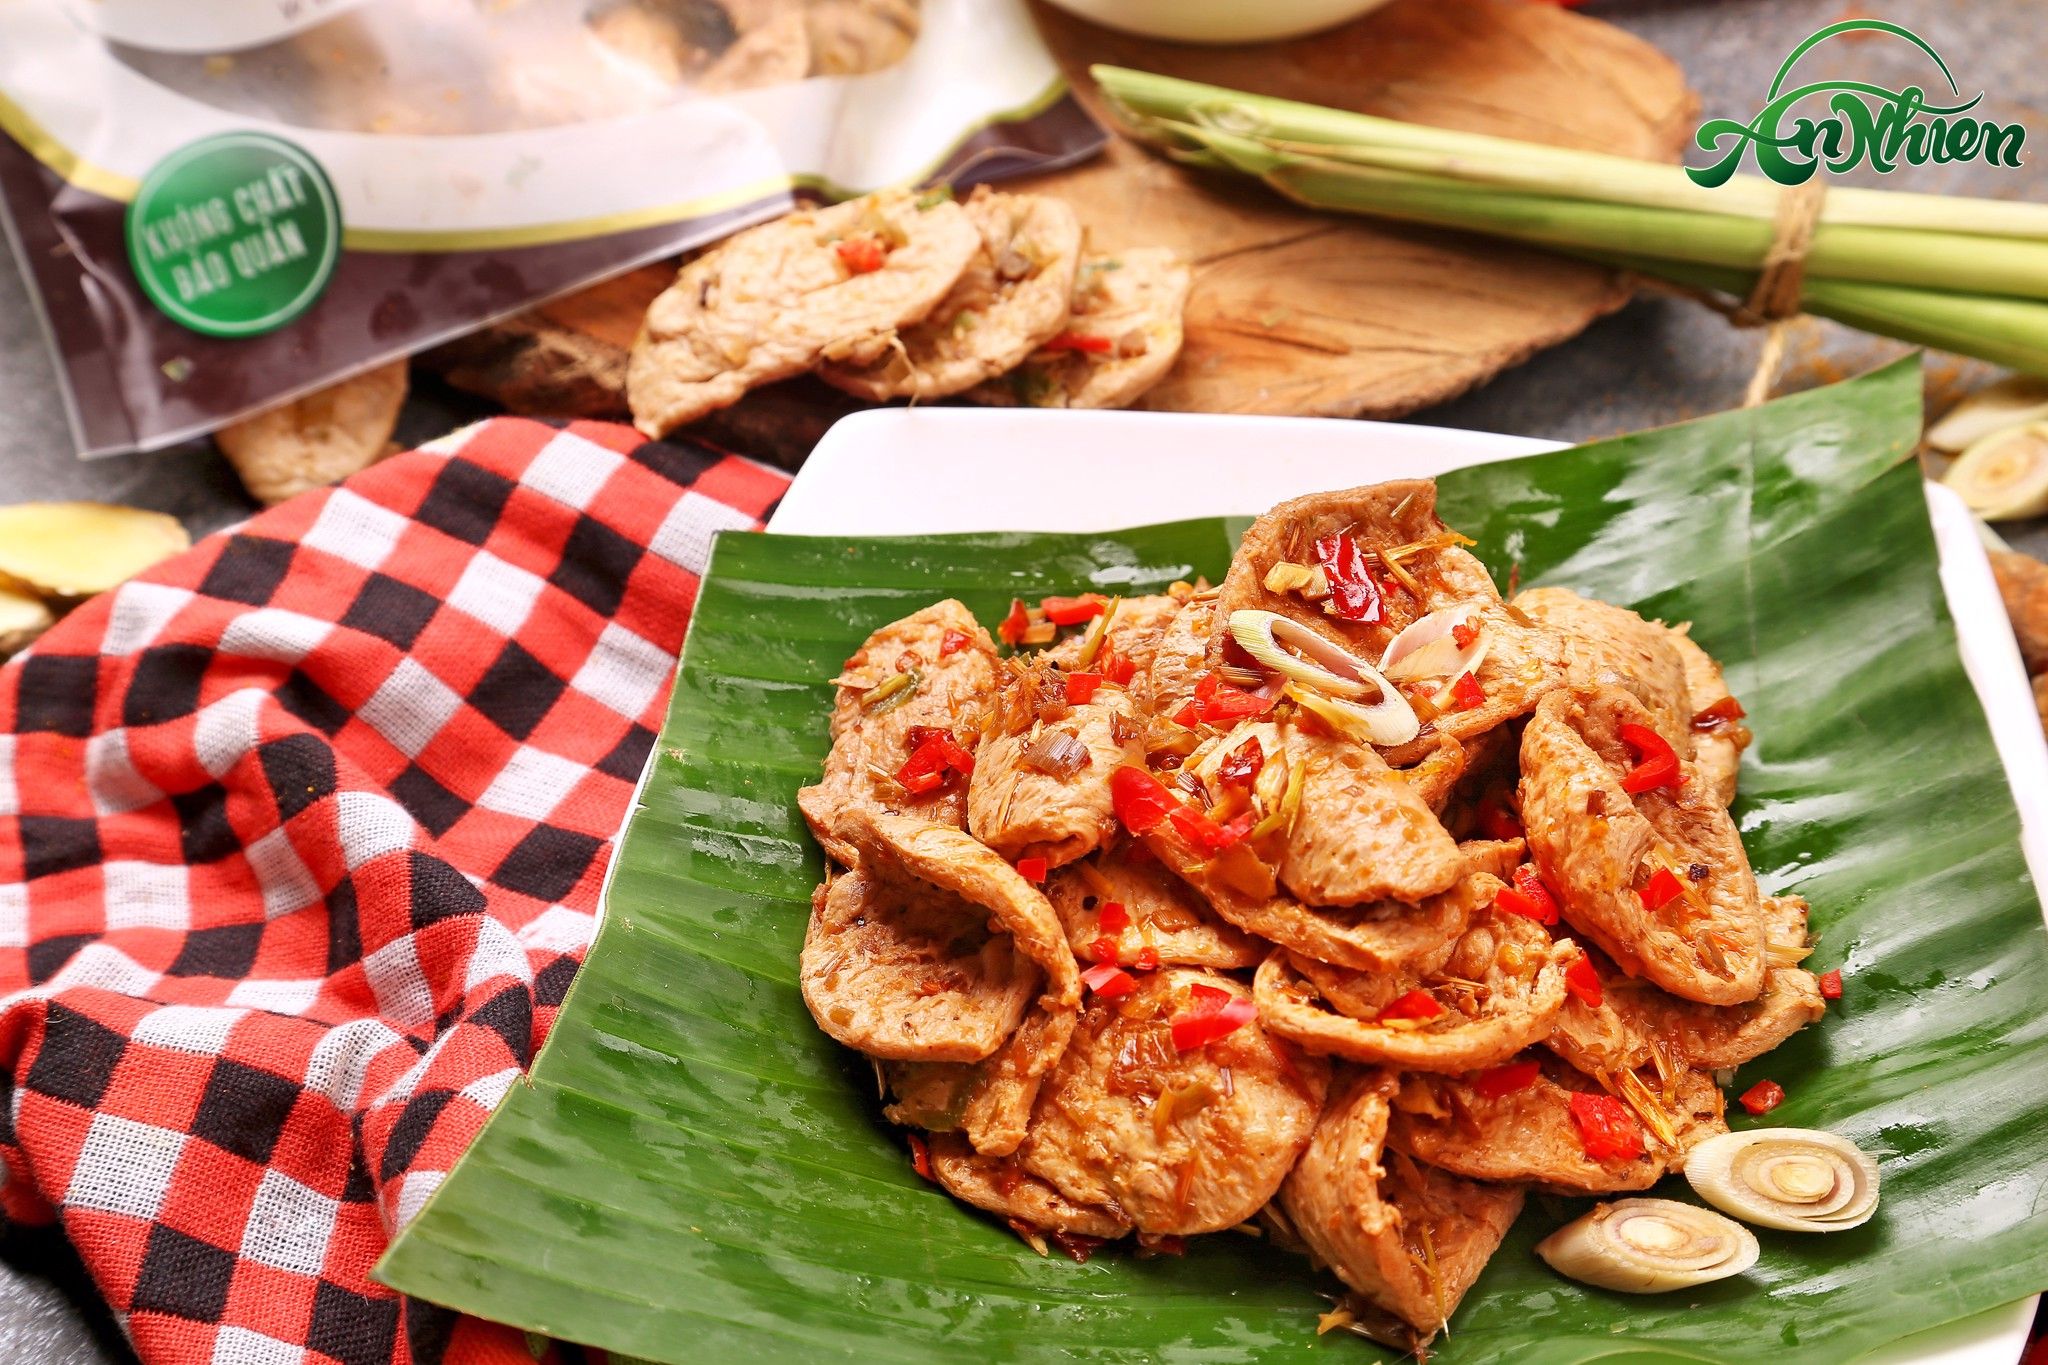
(75, 549)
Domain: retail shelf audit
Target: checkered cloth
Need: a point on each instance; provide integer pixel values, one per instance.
(301, 834)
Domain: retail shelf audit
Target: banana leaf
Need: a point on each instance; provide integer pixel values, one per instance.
(695, 1173)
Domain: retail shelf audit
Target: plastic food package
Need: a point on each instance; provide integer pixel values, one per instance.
(221, 207)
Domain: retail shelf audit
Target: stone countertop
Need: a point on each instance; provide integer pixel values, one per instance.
(1659, 360)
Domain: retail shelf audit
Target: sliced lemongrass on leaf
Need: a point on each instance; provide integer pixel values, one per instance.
(22, 619)
(1649, 1246)
(1793, 1179)
(75, 549)
(1429, 648)
(2013, 400)
(1390, 720)
(2005, 475)
(1301, 655)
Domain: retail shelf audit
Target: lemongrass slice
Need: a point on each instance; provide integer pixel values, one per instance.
(1649, 1246)
(2004, 475)
(1793, 1179)
(1428, 648)
(2011, 401)
(1299, 654)
(1388, 721)
(75, 549)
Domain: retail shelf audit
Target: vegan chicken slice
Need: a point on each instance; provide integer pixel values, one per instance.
(1001, 1185)
(1657, 877)
(928, 672)
(1182, 1131)
(1411, 1239)
(1121, 337)
(1041, 776)
(1011, 299)
(775, 300)
(1158, 919)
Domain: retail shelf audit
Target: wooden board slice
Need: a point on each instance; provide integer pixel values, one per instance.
(1293, 312)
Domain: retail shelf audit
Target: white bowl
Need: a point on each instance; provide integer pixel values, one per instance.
(1219, 21)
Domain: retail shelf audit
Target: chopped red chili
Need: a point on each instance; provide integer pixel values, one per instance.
(1496, 821)
(1071, 611)
(1199, 830)
(1721, 713)
(953, 641)
(1506, 1080)
(1108, 981)
(1606, 1128)
(1075, 1246)
(1414, 1005)
(1528, 897)
(1656, 762)
(1114, 667)
(1582, 981)
(1661, 890)
(1831, 985)
(1354, 596)
(1031, 869)
(1148, 958)
(1467, 694)
(1463, 635)
(1215, 1014)
(1080, 341)
(1218, 703)
(1081, 687)
(1115, 918)
(1103, 949)
(1763, 1097)
(932, 762)
(921, 1158)
(1241, 767)
(862, 255)
(1015, 624)
(1190, 715)
(1141, 800)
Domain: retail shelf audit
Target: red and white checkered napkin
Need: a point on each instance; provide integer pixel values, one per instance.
(300, 838)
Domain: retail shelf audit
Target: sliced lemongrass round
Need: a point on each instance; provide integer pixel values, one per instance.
(1648, 1246)
(1428, 648)
(2004, 476)
(1793, 1179)
(1390, 720)
(1301, 655)
(2011, 401)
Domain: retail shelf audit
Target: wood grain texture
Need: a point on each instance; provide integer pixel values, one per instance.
(1293, 312)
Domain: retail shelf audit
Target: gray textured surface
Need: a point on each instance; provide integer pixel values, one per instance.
(1659, 360)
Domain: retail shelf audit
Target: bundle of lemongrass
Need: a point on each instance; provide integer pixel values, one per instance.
(1965, 275)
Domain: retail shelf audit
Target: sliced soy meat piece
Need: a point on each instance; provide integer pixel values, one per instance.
(1364, 833)
(1001, 1185)
(951, 663)
(1612, 856)
(1165, 922)
(1019, 802)
(1718, 737)
(1181, 1140)
(1610, 646)
(1121, 337)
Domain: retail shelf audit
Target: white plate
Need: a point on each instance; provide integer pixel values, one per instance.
(900, 471)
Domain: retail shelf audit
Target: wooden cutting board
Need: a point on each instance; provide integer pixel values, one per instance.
(1292, 311)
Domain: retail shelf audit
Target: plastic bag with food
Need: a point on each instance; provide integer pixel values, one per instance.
(222, 208)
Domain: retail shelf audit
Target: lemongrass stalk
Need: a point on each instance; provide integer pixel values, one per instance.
(1396, 145)
(2008, 332)
(1875, 255)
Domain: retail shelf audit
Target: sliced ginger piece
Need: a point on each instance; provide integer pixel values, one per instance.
(21, 620)
(317, 438)
(75, 549)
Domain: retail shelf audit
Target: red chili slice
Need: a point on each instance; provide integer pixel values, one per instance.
(1108, 981)
(1656, 762)
(1467, 694)
(1582, 981)
(1210, 1020)
(1414, 1005)
(1148, 959)
(1720, 713)
(1218, 703)
(1031, 869)
(862, 255)
(1528, 897)
(1240, 768)
(926, 770)
(1103, 949)
(953, 641)
(1113, 666)
(1199, 830)
(1496, 821)
(1114, 917)
(1662, 889)
(1463, 635)
(1080, 341)
(1763, 1097)
(1506, 1080)
(1081, 687)
(1831, 985)
(1071, 611)
(1354, 596)
(1606, 1128)
(1141, 800)
(921, 1158)
(1015, 624)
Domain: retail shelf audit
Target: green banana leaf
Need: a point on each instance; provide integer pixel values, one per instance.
(695, 1173)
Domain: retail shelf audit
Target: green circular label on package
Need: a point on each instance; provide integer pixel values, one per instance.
(234, 235)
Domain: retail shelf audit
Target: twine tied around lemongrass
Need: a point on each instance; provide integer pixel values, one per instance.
(1774, 302)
